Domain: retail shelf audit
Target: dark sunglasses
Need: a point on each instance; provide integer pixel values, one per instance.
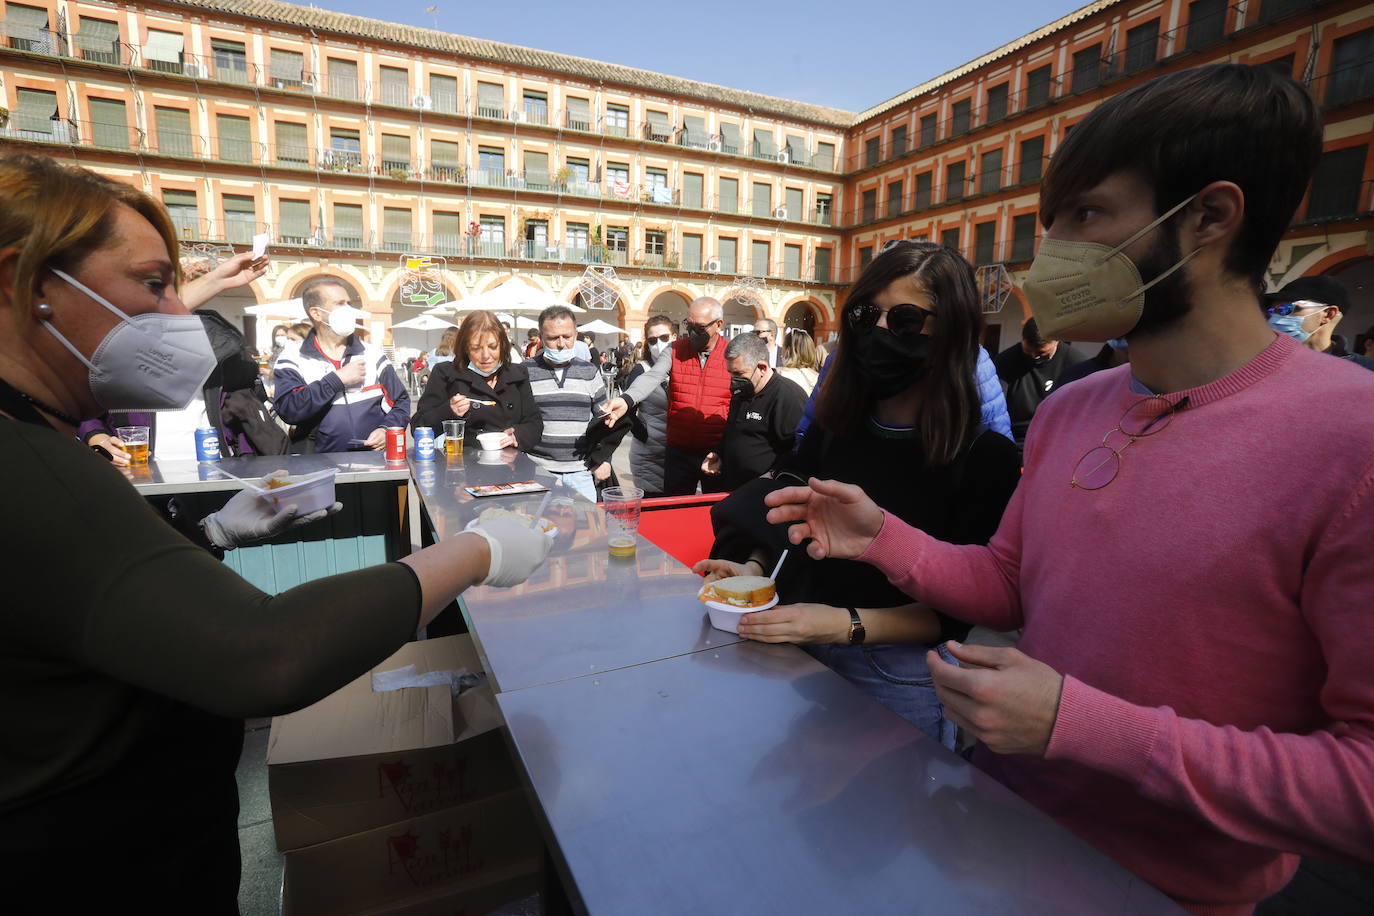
(692, 326)
(901, 319)
(661, 338)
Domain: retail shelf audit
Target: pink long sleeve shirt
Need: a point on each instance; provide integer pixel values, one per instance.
(1212, 612)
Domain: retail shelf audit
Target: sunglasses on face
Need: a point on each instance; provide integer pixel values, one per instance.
(691, 326)
(1284, 309)
(901, 319)
(661, 338)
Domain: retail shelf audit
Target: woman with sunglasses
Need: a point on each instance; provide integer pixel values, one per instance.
(897, 415)
(650, 423)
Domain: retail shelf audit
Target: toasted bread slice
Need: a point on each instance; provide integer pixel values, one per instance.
(741, 591)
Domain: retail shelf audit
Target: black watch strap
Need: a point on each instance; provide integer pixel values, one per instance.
(856, 628)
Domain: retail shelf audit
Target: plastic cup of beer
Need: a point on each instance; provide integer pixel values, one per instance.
(453, 438)
(622, 519)
(135, 439)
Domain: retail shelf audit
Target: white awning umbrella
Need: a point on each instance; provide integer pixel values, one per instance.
(293, 309)
(517, 322)
(515, 295)
(424, 323)
(601, 327)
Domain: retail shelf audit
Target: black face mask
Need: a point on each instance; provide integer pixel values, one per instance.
(891, 363)
(740, 387)
(700, 338)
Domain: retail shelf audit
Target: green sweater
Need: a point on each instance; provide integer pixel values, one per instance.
(128, 657)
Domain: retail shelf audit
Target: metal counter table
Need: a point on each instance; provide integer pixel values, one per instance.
(678, 769)
(372, 528)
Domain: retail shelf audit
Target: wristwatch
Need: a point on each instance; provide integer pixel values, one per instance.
(856, 628)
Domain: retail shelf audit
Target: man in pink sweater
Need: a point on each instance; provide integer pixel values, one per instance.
(1194, 690)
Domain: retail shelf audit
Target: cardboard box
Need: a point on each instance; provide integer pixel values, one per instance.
(361, 758)
(455, 849)
(485, 894)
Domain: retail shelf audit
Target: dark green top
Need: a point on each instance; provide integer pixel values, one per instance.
(128, 655)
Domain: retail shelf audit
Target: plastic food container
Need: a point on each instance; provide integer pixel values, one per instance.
(309, 493)
(726, 616)
(490, 442)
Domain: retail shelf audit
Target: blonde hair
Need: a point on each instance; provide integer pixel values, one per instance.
(447, 342)
(56, 215)
(801, 352)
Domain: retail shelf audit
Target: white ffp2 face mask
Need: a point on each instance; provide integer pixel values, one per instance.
(151, 361)
(1089, 291)
(343, 321)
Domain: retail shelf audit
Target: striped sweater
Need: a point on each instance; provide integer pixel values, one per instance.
(568, 398)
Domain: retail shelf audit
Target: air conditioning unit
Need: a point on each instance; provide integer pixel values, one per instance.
(785, 155)
(314, 241)
(713, 266)
(422, 102)
(195, 71)
(779, 213)
(713, 144)
(517, 115)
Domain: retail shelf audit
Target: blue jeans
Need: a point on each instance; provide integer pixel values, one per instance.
(897, 677)
(581, 481)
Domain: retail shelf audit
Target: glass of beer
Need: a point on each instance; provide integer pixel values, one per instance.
(622, 519)
(135, 439)
(453, 438)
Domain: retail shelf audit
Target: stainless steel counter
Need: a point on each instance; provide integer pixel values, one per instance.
(160, 478)
(583, 612)
(681, 770)
(752, 779)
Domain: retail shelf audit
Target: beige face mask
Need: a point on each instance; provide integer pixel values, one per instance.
(1088, 291)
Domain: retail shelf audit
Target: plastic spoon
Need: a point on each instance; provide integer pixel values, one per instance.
(777, 569)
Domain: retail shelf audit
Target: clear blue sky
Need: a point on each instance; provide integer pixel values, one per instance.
(845, 54)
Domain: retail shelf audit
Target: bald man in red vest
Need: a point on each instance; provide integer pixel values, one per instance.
(698, 398)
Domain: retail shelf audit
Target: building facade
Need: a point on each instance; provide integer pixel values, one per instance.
(367, 150)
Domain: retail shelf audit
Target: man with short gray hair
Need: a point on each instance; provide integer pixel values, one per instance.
(767, 331)
(698, 397)
(764, 411)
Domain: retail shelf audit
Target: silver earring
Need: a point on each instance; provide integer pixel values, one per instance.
(44, 310)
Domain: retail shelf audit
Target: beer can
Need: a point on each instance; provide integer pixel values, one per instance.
(207, 444)
(424, 443)
(396, 443)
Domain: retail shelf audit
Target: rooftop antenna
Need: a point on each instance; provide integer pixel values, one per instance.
(433, 15)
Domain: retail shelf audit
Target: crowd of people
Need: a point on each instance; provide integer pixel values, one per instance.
(1174, 542)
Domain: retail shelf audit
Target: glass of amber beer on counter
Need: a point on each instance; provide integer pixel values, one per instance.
(622, 519)
(453, 438)
(135, 439)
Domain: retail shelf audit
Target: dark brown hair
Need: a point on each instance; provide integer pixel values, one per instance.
(948, 409)
(473, 327)
(1182, 131)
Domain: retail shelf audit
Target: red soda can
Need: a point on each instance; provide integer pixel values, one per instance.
(396, 443)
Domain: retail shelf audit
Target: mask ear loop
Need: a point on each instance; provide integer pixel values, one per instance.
(1164, 275)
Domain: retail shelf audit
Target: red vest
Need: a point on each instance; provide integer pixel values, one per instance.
(698, 397)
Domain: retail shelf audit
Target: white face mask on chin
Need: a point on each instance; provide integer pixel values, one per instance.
(151, 361)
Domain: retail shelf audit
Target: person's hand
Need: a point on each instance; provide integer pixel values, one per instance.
(615, 409)
(231, 273)
(711, 464)
(602, 471)
(376, 440)
(113, 446)
(508, 438)
(517, 550)
(352, 372)
(838, 517)
(460, 405)
(247, 518)
(724, 569)
(1009, 702)
(797, 623)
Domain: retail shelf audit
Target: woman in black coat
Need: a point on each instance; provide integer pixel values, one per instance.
(482, 386)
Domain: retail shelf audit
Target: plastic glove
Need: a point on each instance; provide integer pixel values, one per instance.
(516, 550)
(247, 518)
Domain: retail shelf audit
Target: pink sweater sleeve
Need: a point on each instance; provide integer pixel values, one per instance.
(973, 583)
(1310, 793)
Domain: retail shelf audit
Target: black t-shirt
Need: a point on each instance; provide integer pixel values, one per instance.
(1027, 382)
(760, 429)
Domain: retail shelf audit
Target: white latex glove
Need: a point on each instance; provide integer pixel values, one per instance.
(247, 518)
(516, 550)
